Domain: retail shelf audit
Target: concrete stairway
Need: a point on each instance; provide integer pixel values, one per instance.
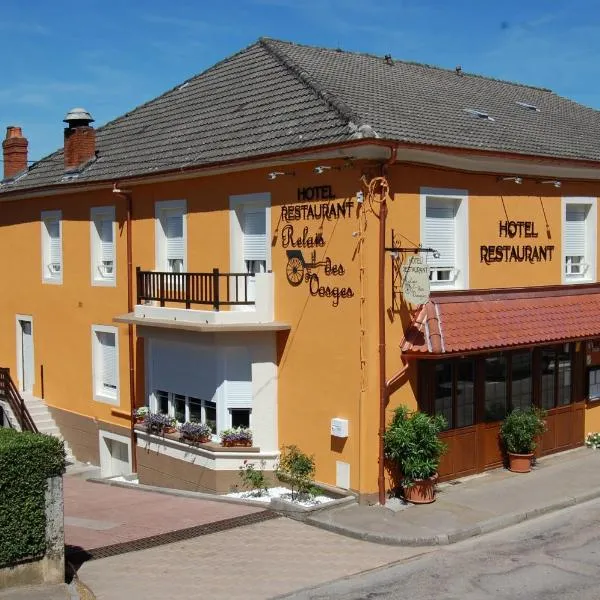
(43, 420)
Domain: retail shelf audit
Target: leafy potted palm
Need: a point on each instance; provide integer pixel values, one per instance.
(519, 433)
(412, 442)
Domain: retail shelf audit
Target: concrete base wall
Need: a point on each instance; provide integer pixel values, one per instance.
(82, 433)
(164, 471)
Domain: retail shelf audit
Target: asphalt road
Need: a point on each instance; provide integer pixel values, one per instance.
(552, 557)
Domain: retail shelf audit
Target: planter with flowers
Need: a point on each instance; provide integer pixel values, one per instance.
(592, 440)
(195, 433)
(141, 413)
(158, 423)
(240, 436)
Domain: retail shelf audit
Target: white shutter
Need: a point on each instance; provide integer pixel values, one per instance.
(175, 241)
(574, 243)
(440, 232)
(255, 234)
(105, 233)
(54, 245)
(109, 361)
(238, 387)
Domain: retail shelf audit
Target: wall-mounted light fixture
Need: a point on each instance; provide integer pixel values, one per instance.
(553, 182)
(360, 197)
(320, 169)
(275, 174)
(516, 179)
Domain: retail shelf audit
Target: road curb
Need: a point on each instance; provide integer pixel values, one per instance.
(458, 535)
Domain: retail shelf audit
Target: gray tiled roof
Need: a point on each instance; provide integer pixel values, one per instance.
(275, 97)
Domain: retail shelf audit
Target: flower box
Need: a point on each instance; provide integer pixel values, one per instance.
(241, 436)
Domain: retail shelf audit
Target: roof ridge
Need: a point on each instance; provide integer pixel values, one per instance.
(355, 122)
(410, 62)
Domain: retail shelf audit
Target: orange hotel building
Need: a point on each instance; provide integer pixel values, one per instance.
(219, 253)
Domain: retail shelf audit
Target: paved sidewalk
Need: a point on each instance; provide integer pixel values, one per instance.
(474, 506)
(37, 592)
(98, 515)
(259, 561)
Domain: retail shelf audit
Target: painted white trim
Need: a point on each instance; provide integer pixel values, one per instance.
(48, 215)
(29, 318)
(108, 399)
(96, 212)
(591, 237)
(461, 281)
(161, 207)
(106, 457)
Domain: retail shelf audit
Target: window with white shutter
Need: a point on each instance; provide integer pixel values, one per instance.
(575, 241)
(254, 230)
(444, 229)
(440, 234)
(171, 236)
(105, 364)
(175, 241)
(52, 263)
(103, 245)
(579, 240)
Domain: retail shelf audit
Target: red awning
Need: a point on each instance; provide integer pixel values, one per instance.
(475, 322)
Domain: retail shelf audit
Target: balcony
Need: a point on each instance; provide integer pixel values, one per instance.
(209, 301)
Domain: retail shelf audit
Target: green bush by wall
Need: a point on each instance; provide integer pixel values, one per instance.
(26, 461)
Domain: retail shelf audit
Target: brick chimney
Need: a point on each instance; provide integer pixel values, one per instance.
(80, 138)
(15, 152)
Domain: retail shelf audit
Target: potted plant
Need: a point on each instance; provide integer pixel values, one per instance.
(195, 432)
(412, 442)
(240, 436)
(157, 423)
(592, 440)
(519, 432)
(141, 413)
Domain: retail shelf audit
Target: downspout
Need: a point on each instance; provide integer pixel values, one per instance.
(383, 385)
(127, 196)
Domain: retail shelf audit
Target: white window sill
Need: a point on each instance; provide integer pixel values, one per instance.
(107, 398)
(52, 280)
(104, 282)
(575, 280)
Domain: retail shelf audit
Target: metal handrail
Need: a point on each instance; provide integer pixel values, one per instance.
(10, 393)
(194, 288)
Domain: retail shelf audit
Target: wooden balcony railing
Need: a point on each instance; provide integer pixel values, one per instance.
(214, 289)
(10, 394)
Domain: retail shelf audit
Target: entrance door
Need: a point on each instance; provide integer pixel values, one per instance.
(25, 349)
(114, 456)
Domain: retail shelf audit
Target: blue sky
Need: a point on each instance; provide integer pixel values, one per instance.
(112, 55)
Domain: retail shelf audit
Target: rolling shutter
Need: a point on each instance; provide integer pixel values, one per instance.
(440, 231)
(255, 234)
(238, 386)
(105, 233)
(54, 245)
(109, 361)
(574, 243)
(175, 241)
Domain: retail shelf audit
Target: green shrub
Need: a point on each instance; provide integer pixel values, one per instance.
(412, 442)
(254, 479)
(521, 428)
(27, 460)
(297, 469)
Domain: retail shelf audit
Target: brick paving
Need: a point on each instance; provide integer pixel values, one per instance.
(258, 561)
(98, 515)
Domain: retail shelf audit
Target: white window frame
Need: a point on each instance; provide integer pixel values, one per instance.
(97, 214)
(29, 318)
(154, 406)
(459, 276)
(97, 367)
(105, 455)
(55, 278)
(161, 211)
(230, 418)
(589, 274)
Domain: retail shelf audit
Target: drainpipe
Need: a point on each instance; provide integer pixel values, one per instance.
(383, 385)
(127, 196)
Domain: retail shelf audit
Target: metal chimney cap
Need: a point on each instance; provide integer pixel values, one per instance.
(78, 114)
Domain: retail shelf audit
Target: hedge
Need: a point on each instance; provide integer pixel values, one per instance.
(26, 461)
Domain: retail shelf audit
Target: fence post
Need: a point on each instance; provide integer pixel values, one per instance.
(216, 289)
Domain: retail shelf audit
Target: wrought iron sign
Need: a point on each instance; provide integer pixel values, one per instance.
(516, 252)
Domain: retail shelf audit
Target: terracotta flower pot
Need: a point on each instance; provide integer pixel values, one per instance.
(422, 491)
(232, 444)
(519, 463)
